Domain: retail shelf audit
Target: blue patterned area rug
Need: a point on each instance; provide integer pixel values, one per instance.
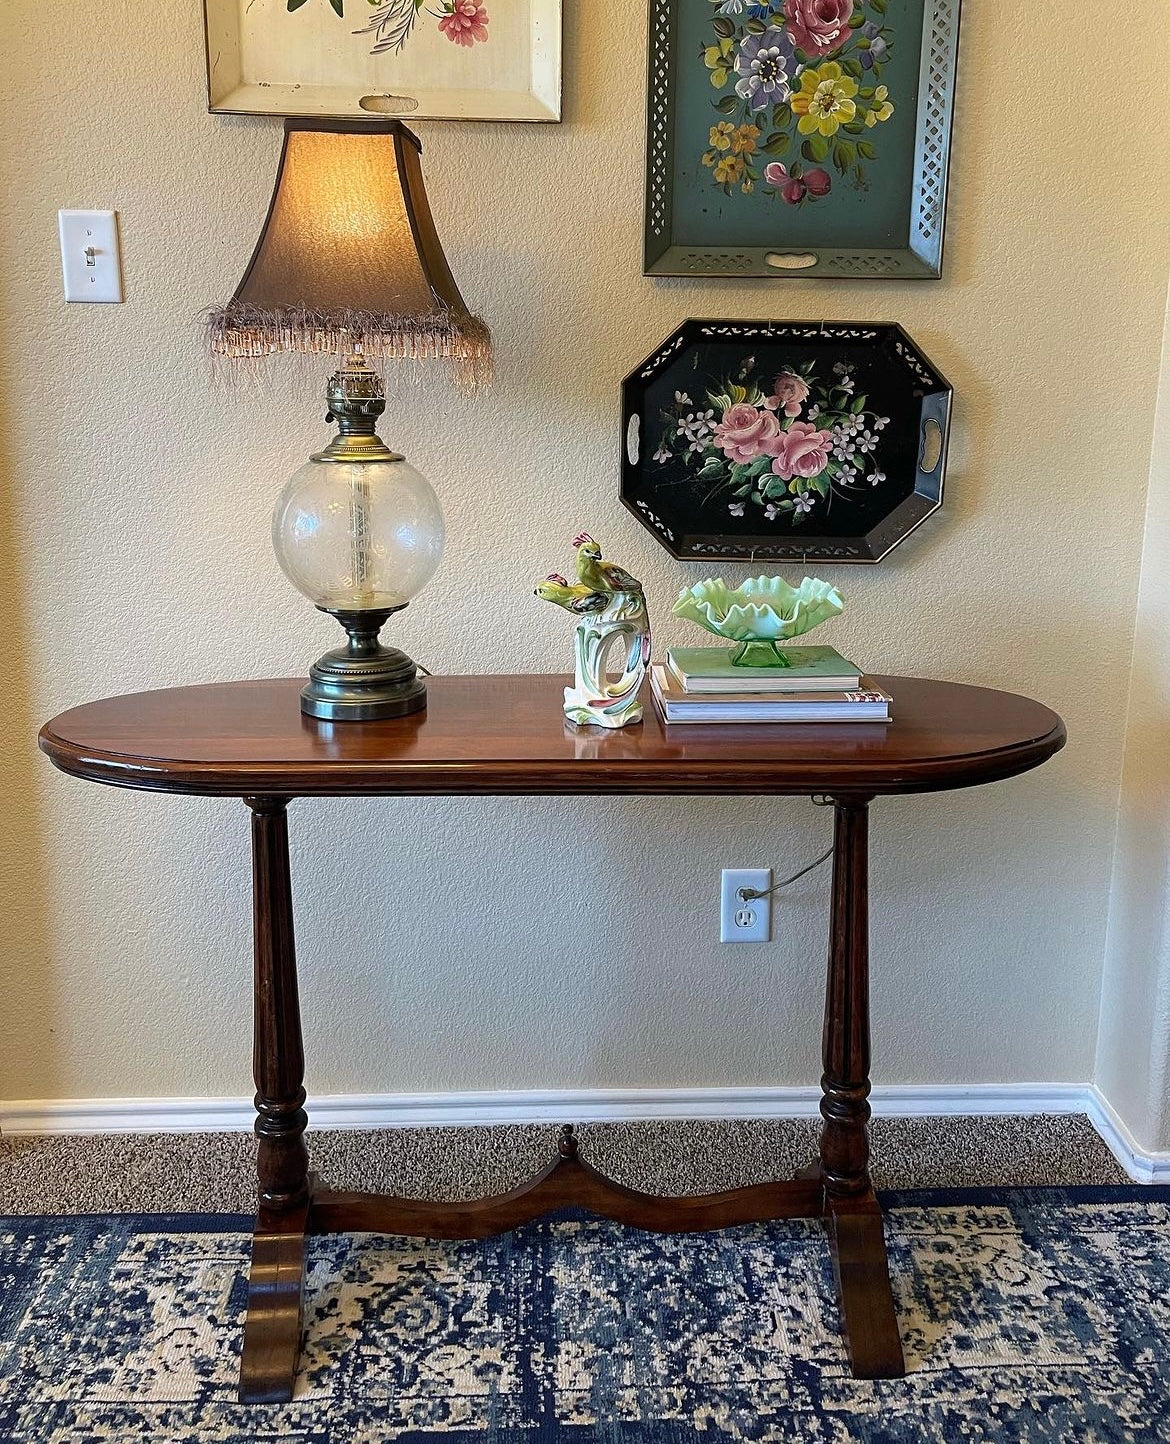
(1040, 1316)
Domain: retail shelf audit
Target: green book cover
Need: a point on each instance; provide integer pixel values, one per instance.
(701, 668)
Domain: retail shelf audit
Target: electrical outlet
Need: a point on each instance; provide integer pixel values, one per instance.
(740, 920)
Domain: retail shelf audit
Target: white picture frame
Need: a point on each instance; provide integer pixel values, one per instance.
(444, 60)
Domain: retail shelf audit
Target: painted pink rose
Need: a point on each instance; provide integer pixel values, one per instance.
(466, 21)
(788, 395)
(775, 173)
(746, 432)
(818, 27)
(802, 451)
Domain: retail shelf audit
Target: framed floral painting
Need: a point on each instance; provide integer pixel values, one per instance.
(426, 59)
(799, 137)
(769, 441)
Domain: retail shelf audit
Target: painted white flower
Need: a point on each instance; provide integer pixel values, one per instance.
(866, 441)
(876, 477)
(880, 422)
(662, 454)
(771, 511)
(813, 412)
(736, 508)
(697, 426)
(682, 399)
(803, 502)
(731, 7)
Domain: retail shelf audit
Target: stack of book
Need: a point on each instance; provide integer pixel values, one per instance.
(700, 684)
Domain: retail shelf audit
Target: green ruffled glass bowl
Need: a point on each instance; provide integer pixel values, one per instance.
(759, 613)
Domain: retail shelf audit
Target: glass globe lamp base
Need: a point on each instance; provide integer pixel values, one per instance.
(363, 681)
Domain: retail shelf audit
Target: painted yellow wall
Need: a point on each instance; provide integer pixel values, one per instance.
(511, 943)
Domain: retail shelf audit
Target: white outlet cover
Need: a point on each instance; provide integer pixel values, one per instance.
(740, 921)
(91, 261)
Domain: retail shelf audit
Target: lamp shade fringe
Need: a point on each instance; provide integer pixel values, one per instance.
(242, 331)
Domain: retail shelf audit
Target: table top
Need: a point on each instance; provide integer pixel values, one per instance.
(507, 735)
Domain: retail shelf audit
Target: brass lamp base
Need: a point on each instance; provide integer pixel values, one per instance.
(364, 681)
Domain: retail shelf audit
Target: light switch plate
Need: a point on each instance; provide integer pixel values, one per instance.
(90, 258)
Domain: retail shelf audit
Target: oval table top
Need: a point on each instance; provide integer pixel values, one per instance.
(507, 735)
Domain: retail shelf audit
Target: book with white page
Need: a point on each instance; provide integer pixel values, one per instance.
(866, 704)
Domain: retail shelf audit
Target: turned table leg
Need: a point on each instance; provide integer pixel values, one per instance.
(272, 1328)
(855, 1220)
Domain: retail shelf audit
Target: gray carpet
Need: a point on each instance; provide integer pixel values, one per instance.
(213, 1172)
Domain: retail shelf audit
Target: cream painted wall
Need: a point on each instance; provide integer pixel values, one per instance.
(135, 554)
(1133, 1049)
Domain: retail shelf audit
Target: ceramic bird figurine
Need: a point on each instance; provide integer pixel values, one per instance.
(612, 609)
(578, 598)
(601, 576)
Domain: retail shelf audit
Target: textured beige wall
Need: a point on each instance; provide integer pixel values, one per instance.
(1133, 1048)
(516, 943)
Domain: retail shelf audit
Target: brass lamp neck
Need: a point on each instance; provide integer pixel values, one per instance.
(356, 399)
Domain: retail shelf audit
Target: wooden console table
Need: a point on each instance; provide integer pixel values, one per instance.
(484, 736)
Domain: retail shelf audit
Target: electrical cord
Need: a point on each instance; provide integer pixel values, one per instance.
(750, 894)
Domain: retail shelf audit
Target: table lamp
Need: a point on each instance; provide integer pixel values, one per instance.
(349, 262)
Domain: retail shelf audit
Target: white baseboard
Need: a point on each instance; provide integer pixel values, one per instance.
(1140, 1163)
(590, 1105)
(587, 1105)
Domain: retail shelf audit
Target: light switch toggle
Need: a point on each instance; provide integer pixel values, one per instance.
(91, 261)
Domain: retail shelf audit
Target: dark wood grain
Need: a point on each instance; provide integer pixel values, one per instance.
(565, 1183)
(845, 1038)
(505, 735)
(272, 1327)
(868, 1319)
(489, 735)
(277, 1052)
(275, 1316)
(862, 1272)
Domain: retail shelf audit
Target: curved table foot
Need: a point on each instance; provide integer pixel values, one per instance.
(868, 1320)
(275, 1317)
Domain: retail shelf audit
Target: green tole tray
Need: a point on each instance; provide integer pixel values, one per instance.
(799, 137)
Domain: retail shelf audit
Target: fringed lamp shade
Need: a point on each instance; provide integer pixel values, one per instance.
(349, 259)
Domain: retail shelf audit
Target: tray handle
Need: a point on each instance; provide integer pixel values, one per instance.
(932, 443)
(634, 438)
(792, 260)
(388, 104)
